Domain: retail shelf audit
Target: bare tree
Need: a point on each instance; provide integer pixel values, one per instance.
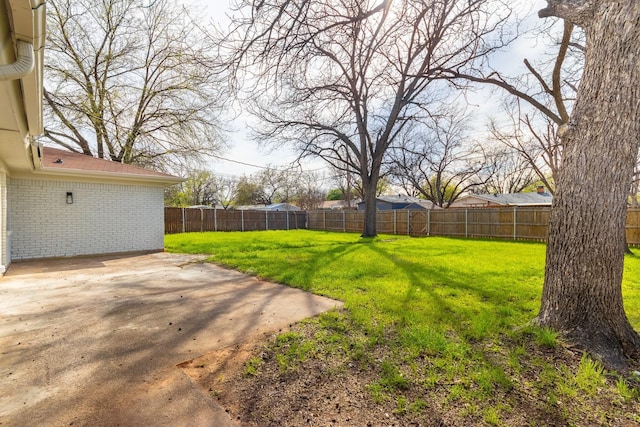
(343, 181)
(539, 104)
(341, 79)
(266, 187)
(200, 188)
(128, 80)
(536, 143)
(582, 295)
(383, 187)
(248, 192)
(507, 171)
(309, 193)
(551, 98)
(436, 159)
(227, 190)
(277, 186)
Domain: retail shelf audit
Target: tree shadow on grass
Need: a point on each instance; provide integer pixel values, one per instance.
(470, 304)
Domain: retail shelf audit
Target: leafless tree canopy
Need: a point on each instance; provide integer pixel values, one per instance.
(437, 159)
(539, 102)
(129, 81)
(534, 139)
(268, 186)
(506, 171)
(341, 79)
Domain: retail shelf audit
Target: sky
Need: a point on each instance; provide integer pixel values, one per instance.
(244, 157)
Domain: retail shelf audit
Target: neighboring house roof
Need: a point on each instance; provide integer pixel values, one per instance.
(403, 202)
(54, 161)
(280, 207)
(274, 207)
(249, 207)
(400, 198)
(337, 204)
(508, 199)
(218, 207)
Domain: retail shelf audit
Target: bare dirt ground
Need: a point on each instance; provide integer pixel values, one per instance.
(318, 394)
(335, 392)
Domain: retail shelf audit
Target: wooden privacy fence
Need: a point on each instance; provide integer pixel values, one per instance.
(512, 223)
(501, 223)
(509, 223)
(185, 220)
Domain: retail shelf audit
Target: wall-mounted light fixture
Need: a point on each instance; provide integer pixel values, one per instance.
(69, 198)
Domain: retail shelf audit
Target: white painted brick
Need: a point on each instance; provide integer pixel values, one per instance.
(104, 218)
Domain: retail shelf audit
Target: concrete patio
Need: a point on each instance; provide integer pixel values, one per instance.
(97, 341)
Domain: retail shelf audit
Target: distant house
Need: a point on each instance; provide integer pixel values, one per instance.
(338, 204)
(387, 203)
(219, 207)
(284, 207)
(539, 198)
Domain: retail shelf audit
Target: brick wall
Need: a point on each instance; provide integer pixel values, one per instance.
(104, 218)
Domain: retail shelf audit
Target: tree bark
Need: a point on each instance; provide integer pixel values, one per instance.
(582, 295)
(370, 208)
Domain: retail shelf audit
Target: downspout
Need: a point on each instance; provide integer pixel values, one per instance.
(23, 64)
(36, 153)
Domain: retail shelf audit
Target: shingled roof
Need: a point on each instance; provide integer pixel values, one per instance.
(509, 199)
(60, 161)
(518, 199)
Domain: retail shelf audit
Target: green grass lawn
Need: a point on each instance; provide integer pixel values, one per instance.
(448, 319)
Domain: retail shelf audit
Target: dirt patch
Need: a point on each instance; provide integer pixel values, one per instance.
(319, 393)
(258, 386)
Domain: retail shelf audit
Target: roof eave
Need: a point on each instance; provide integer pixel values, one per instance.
(111, 176)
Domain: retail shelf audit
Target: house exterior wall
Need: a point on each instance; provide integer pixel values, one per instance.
(104, 218)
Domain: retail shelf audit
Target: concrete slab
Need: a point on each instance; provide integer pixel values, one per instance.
(97, 341)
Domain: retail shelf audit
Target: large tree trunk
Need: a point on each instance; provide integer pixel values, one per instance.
(369, 193)
(370, 228)
(582, 296)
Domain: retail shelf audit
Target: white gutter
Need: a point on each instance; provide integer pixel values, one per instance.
(22, 66)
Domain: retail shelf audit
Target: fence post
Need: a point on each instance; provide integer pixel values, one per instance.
(344, 221)
(515, 223)
(183, 220)
(201, 220)
(288, 220)
(215, 219)
(395, 221)
(466, 223)
(324, 220)
(408, 222)
(428, 222)
(242, 219)
(266, 220)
